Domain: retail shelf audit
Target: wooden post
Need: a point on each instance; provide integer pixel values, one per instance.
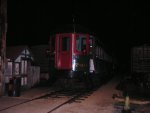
(3, 30)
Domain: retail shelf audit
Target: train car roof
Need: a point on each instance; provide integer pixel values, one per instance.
(71, 28)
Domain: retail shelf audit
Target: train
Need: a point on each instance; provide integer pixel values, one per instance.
(77, 54)
(140, 65)
(136, 82)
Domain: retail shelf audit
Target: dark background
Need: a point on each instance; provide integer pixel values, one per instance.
(118, 24)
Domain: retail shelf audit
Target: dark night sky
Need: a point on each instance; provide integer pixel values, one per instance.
(119, 24)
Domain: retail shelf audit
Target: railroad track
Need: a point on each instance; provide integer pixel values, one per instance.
(27, 101)
(74, 95)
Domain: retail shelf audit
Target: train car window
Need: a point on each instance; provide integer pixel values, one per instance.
(91, 42)
(81, 43)
(91, 45)
(65, 44)
(78, 46)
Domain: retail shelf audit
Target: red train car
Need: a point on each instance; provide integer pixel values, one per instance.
(69, 53)
(77, 54)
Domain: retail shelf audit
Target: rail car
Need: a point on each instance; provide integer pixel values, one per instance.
(78, 55)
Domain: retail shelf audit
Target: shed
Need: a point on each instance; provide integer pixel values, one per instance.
(20, 63)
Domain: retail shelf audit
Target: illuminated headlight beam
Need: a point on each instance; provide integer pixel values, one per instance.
(73, 64)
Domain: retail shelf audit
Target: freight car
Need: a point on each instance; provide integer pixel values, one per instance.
(140, 65)
(78, 55)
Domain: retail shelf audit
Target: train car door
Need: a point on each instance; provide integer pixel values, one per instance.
(64, 53)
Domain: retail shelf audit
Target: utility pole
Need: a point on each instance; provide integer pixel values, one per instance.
(3, 30)
(73, 20)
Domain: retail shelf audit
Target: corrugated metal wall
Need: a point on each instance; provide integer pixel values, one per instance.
(140, 59)
(3, 30)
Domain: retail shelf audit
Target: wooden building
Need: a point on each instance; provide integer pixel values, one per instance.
(20, 62)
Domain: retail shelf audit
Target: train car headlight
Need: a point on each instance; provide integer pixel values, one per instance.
(92, 68)
(73, 64)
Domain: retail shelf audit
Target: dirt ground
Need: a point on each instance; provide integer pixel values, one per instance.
(100, 101)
